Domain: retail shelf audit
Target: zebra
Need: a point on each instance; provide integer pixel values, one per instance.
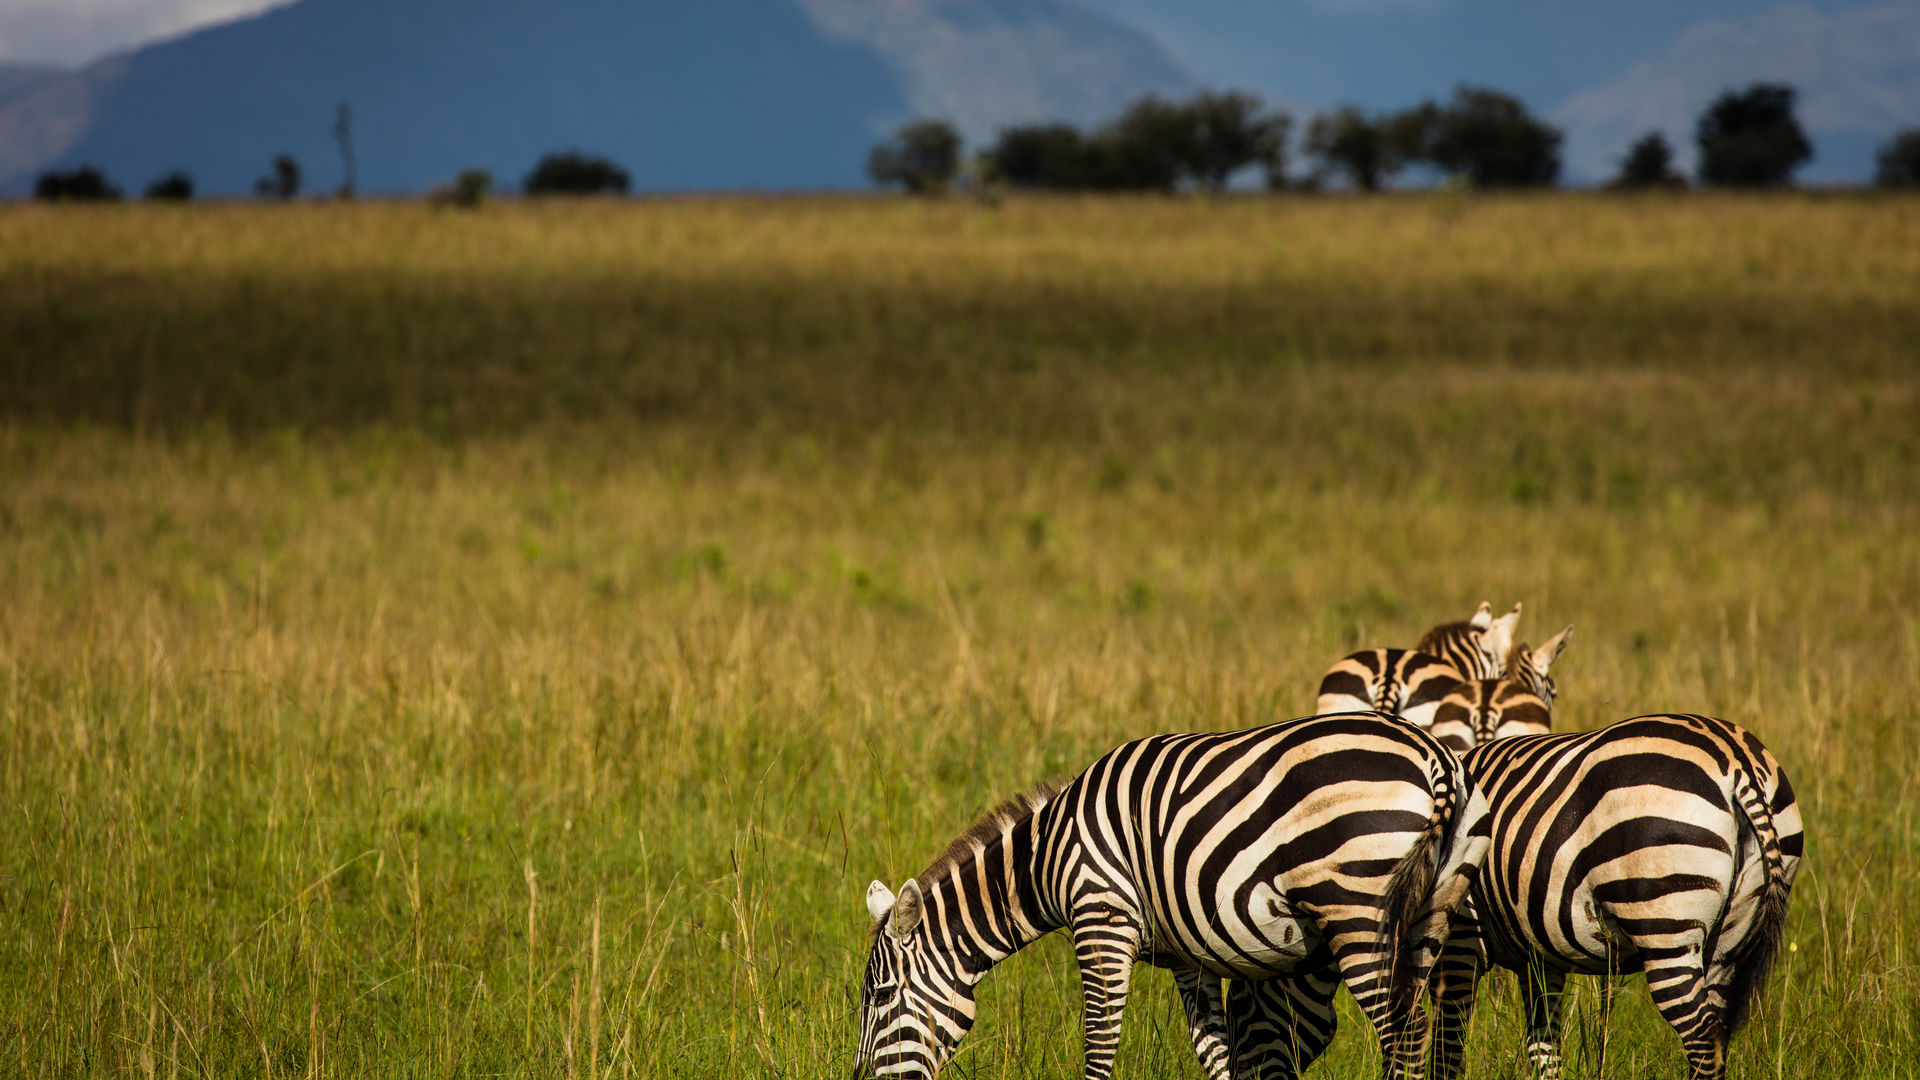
(1518, 703)
(1664, 844)
(1285, 858)
(1411, 683)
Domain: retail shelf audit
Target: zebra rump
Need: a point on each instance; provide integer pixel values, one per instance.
(1664, 844)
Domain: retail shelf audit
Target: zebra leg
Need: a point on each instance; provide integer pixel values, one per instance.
(1456, 979)
(1106, 945)
(1686, 1002)
(1364, 960)
(1206, 1019)
(1544, 991)
(1280, 1026)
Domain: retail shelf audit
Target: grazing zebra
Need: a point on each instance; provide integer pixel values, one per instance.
(1518, 703)
(1286, 858)
(1411, 683)
(1663, 844)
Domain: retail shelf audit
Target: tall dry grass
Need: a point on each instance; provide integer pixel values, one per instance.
(449, 645)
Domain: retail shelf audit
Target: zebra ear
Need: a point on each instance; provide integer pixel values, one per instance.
(1498, 637)
(905, 918)
(1544, 656)
(1483, 617)
(879, 900)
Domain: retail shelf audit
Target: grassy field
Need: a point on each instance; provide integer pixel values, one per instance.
(506, 644)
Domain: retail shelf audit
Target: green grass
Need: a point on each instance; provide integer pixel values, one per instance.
(506, 644)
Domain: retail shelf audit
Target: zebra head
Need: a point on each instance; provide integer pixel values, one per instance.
(1518, 703)
(916, 1003)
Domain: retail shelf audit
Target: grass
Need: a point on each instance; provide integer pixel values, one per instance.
(440, 644)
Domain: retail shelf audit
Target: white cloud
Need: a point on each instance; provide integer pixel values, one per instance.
(1858, 72)
(74, 31)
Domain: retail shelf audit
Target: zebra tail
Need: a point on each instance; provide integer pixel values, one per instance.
(1756, 955)
(1409, 893)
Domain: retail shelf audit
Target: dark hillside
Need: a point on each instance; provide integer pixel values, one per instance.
(767, 94)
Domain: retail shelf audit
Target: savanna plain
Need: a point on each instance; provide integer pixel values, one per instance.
(506, 643)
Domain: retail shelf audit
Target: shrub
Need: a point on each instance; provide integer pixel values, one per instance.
(83, 184)
(1648, 164)
(574, 173)
(283, 183)
(176, 186)
(469, 190)
(923, 157)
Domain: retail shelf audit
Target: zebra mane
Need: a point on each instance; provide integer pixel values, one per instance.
(1433, 642)
(988, 829)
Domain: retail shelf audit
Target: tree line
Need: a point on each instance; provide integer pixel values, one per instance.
(1481, 136)
(565, 173)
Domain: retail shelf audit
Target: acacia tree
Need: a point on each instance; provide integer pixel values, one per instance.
(575, 173)
(1231, 132)
(1044, 156)
(176, 186)
(1898, 162)
(1148, 148)
(1359, 146)
(923, 157)
(1751, 138)
(1491, 139)
(1648, 164)
(1350, 142)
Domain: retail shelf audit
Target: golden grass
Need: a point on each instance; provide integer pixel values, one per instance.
(507, 643)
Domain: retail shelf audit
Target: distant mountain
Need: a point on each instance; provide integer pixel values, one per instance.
(17, 79)
(718, 94)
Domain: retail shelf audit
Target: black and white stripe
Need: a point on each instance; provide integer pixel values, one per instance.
(1411, 683)
(1518, 703)
(1664, 844)
(1286, 859)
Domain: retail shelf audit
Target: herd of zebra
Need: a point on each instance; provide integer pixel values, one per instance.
(1425, 827)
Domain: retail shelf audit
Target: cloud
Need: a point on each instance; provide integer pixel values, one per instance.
(75, 31)
(1858, 73)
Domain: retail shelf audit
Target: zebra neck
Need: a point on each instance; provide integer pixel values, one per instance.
(997, 901)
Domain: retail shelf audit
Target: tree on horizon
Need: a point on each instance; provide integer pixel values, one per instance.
(1750, 138)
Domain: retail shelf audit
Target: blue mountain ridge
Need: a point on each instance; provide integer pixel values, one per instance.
(723, 94)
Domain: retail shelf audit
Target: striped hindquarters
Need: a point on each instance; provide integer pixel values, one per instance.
(1401, 682)
(1667, 843)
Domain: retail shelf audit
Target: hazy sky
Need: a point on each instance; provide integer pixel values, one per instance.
(72, 31)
